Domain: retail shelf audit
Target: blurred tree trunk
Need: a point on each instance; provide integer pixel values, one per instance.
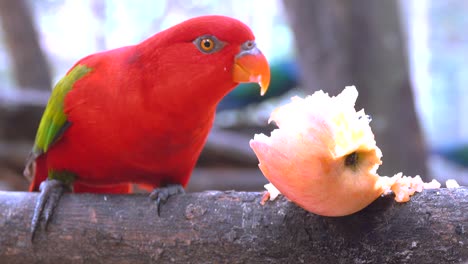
(360, 42)
(30, 67)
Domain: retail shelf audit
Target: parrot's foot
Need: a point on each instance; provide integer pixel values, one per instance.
(163, 193)
(51, 191)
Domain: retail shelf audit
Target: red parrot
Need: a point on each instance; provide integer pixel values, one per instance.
(142, 113)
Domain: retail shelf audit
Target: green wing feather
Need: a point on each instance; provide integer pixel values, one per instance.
(54, 121)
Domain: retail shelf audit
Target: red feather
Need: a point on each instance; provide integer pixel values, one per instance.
(40, 174)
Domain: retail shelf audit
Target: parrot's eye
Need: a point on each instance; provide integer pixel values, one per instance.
(208, 44)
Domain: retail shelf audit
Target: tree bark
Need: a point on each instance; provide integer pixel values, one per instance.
(232, 227)
(30, 66)
(360, 42)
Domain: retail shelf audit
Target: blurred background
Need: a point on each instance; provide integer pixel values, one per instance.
(408, 59)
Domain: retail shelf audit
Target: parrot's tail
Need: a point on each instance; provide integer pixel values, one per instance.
(39, 172)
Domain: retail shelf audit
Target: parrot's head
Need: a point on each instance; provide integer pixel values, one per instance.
(207, 56)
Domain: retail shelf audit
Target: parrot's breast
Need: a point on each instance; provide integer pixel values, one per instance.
(110, 153)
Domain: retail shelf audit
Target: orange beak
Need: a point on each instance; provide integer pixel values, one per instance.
(252, 66)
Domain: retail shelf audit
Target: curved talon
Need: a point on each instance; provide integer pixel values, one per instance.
(158, 205)
(162, 194)
(51, 191)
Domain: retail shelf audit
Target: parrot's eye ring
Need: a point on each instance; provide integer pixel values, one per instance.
(208, 44)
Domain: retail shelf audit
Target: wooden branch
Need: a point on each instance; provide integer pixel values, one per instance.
(232, 227)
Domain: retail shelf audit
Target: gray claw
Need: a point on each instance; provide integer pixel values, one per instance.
(162, 194)
(51, 191)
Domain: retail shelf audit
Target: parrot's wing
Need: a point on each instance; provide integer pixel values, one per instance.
(54, 120)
